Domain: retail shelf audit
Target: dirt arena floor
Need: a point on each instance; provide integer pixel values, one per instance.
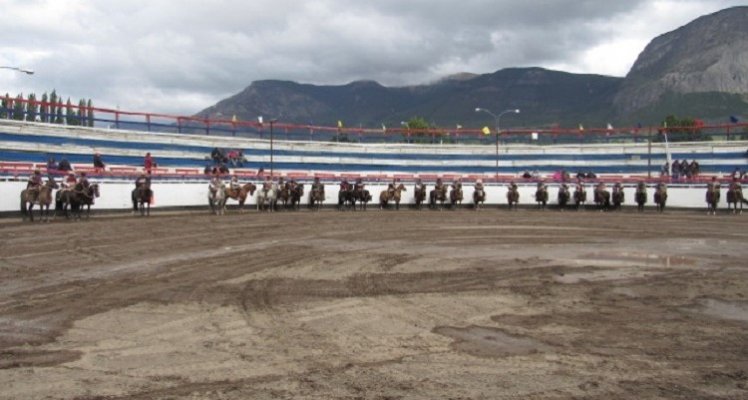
(376, 305)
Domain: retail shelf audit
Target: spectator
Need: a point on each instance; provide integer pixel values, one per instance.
(590, 175)
(98, 163)
(665, 169)
(64, 165)
(676, 169)
(51, 165)
(736, 174)
(208, 169)
(148, 163)
(223, 169)
(527, 175)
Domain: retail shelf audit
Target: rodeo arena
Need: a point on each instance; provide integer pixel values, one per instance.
(149, 256)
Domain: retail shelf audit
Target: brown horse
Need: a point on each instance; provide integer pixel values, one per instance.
(640, 196)
(240, 194)
(541, 196)
(419, 193)
(712, 198)
(141, 198)
(455, 195)
(601, 197)
(75, 199)
(512, 196)
(580, 196)
(563, 196)
(393, 195)
(618, 196)
(735, 197)
(438, 194)
(316, 196)
(41, 196)
(297, 192)
(479, 196)
(661, 196)
(284, 194)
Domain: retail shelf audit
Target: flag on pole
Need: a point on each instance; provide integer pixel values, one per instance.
(734, 119)
(486, 131)
(259, 119)
(233, 119)
(384, 128)
(340, 124)
(581, 127)
(459, 126)
(610, 127)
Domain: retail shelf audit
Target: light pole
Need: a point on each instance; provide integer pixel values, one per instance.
(497, 121)
(25, 71)
(272, 121)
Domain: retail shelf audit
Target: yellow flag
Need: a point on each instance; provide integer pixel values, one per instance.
(340, 124)
(486, 131)
(233, 119)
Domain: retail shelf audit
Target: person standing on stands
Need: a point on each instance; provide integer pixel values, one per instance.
(148, 163)
(64, 165)
(98, 163)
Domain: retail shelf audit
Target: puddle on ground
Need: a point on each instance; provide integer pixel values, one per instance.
(489, 342)
(634, 258)
(737, 311)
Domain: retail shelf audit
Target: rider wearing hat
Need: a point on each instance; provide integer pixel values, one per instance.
(234, 183)
(68, 183)
(359, 184)
(141, 180)
(35, 181)
(83, 181)
(479, 184)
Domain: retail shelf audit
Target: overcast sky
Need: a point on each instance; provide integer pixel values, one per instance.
(180, 56)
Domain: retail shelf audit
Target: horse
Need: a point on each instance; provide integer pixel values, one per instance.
(284, 194)
(563, 196)
(362, 197)
(395, 195)
(455, 195)
(479, 197)
(297, 192)
(42, 197)
(541, 196)
(735, 197)
(640, 196)
(75, 198)
(240, 194)
(419, 194)
(512, 196)
(438, 194)
(267, 197)
(712, 198)
(316, 196)
(346, 199)
(601, 197)
(618, 196)
(141, 199)
(580, 196)
(217, 199)
(660, 196)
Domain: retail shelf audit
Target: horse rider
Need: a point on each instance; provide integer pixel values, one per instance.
(34, 183)
(317, 185)
(216, 183)
(617, 188)
(479, 185)
(359, 187)
(281, 183)
(735, 185)
(512, 186)
(83, 181)
(419, 185)
(344, 185)
(68, 183)
(234, 184)
(439, 186)
(541, 186)
(601, 187)
(267, 185)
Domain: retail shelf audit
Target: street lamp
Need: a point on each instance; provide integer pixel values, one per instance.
(272, 121)
(497, 120)
(25, 71)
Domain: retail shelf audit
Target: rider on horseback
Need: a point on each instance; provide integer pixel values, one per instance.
(234, 184)
(83, 181)
(479, 185)
(142, 180)
(317, 185)
(419, 185)
(439, 187)
(68, 183)
(267, 185)
(359, 187)
(35, 180)
(216, 183)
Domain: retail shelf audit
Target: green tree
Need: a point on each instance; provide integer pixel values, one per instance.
(681, 130)
(18, 108)
(69, 113)
(5, 107)
(82, 115)
(58, 118)
(419, 131)
(53, 99)
(31, 108)
(90, 113)
(44, 109)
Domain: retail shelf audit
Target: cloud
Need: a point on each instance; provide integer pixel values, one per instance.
(181, 56)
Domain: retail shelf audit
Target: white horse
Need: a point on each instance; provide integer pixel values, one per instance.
(267, 197)
(217, 198)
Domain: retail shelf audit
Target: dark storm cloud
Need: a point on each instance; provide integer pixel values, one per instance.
(181, 56)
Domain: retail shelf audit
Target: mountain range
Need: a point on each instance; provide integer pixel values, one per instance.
(699, 70)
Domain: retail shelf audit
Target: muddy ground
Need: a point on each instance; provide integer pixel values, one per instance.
(376, 305)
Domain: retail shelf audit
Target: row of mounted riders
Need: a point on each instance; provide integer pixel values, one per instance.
(356, 196)
(76, 193)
